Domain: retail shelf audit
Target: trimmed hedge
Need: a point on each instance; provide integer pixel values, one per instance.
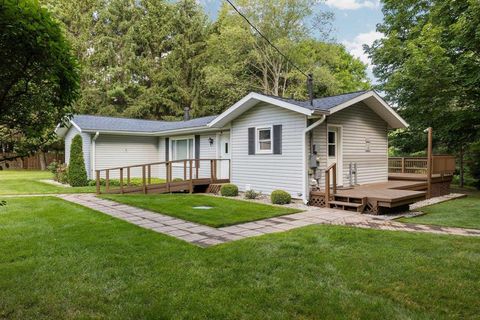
(280, 197)
(229, 190)
(77, 175)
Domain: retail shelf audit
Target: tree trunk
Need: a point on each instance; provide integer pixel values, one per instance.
(43, 160)
(461, 167)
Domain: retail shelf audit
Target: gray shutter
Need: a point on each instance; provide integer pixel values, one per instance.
(277, 139)
(167, 149)
(251, 140)
(197, 147)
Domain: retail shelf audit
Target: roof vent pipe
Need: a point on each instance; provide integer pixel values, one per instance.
(186, 113)
(310, 88)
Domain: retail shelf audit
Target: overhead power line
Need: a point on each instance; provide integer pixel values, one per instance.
(268, 41)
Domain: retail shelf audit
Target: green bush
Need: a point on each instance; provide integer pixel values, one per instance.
(177, 180)
(252, 194)
(229, 190)
(77, 175)
(61, 175)
(474, 163)
(52, 167)
(280, 197)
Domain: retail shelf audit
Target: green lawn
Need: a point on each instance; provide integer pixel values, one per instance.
(27, 182)
(223, 212)
(464, 212)
(63, 261)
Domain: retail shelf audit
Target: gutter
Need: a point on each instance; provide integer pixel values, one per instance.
(305, 196)
(93, 152)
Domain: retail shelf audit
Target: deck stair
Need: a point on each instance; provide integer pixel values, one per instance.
(348, 203)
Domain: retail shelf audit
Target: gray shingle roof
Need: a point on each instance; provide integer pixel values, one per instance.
(326, 103)
(101, 123)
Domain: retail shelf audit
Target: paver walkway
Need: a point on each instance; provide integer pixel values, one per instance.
(205, 236)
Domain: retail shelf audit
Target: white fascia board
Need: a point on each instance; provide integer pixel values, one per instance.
(249, 101)
(187, 131)
(121, 133)
(76, 126)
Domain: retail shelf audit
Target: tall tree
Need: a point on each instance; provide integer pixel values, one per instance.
(38, 76)
(428, 65)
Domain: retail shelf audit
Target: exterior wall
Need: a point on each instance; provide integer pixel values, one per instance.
(122, 150)
(207, 151)
(86, 147)
(358, 123)
(267, 172)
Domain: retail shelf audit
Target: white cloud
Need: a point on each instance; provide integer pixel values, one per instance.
(352, 4)
(355, 47)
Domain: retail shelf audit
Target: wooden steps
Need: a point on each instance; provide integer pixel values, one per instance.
(348, 203)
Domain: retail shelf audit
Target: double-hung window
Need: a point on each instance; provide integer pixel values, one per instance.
(264, 140)
(182, 148)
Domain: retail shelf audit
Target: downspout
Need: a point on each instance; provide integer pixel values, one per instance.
(93, 153)
(305, 195)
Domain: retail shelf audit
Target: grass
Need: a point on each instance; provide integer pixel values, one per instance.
(224, 211)
(63, 261)
(463, 213)
(27, 182)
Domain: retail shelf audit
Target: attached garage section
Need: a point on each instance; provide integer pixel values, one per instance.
(122, 150)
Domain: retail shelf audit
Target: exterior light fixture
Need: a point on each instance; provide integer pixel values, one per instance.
(210, 140)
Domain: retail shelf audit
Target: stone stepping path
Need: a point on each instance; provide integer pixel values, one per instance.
(206, 236)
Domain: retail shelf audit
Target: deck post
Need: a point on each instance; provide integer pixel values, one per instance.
(149, 174)
(403, 165)
(128, 176)
(167, 175)
(121, 180)
(327, 187)
(144, 184)
(97, 172)
(334, 177)
(107, 180)
(429, 164)
(197, 166)
(184, 170)
(191, 175)
(211, 171)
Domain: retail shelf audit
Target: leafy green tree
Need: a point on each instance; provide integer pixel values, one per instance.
(77, 174)
(427, 64)
(38, 76)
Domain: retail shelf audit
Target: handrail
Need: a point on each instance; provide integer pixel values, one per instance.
(441, 164)
(332, 168)
(146, 174)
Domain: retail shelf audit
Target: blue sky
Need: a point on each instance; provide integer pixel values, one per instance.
(354, 25)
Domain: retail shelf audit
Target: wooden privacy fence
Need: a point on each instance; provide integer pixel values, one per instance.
(32, 162)
(441, 164)
(163, 177)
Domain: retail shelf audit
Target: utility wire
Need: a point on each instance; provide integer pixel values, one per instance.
(268, 41)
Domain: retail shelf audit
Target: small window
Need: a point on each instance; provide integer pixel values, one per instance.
(226, 147)
(182, 149)
(264, 140)
(332, 144)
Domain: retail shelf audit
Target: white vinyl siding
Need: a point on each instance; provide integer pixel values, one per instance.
(122, 150)
(267, 172)
(86, 147)
(359, 123)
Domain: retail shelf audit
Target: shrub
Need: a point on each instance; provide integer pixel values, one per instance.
(229, 190)
(252, 194)
(280, 197)
(77, 175)
(52, 167)
(474, 164)
(61, 175)
(177, 180)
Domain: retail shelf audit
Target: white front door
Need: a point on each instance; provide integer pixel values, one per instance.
(334, 151)
(224, 145)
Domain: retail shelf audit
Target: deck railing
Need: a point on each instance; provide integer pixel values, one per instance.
(176, 174)
(441, 164)
(331, 170)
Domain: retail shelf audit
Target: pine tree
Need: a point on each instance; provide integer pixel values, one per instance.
(77, 175)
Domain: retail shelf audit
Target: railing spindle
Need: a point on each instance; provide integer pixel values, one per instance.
(98, 181)
(121, 180)
(144, 182)
(107, 180)
(149, 174)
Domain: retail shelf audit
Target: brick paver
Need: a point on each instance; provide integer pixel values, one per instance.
(206, 236)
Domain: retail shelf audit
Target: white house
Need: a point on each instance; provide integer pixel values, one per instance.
(273, 142)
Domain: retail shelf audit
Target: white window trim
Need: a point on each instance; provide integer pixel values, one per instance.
(257, 140)
(180, 164)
